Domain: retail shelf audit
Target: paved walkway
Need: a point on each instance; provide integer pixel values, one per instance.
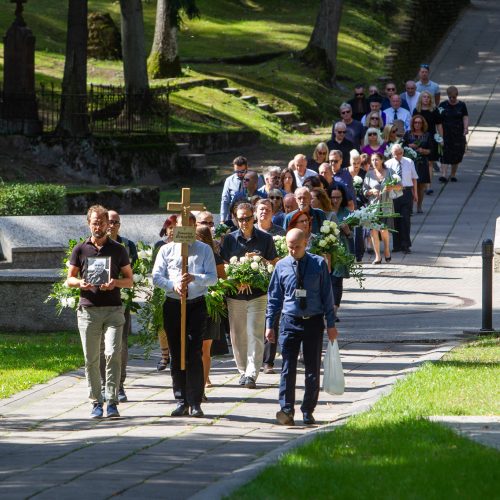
(410, 311)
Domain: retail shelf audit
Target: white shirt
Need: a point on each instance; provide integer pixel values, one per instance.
(411, 101)
(167, 270)
(402, 114)
(301, 178)
(405, 169)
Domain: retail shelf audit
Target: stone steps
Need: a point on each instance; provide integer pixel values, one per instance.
(287, 117)
(266, 107)
(250, 99)
(232, 91)
(302, 127)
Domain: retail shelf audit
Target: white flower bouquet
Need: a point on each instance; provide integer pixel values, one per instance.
(280, 244)
(253, 271)
(369, 217)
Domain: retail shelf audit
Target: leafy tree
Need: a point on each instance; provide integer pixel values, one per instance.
(321, 50)
(73, 119)
(163, 61)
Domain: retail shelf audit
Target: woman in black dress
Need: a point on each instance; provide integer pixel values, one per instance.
(418, 139)
(426, 107)
(455, 127)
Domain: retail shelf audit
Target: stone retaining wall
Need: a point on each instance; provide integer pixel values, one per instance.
(421, 35)
(22, 295)
(217, 141)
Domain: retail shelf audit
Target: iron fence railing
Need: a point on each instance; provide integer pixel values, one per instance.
(109, 109)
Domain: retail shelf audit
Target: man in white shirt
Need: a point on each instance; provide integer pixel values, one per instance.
(411, 95)
(396, 112)
(301, 171)
(405, 168)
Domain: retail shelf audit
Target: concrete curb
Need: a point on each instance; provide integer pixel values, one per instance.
(238, 478)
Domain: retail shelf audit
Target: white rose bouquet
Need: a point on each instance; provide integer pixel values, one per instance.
(280, 244)
(253, 271)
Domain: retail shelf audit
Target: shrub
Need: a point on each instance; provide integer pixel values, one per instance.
(32, 199)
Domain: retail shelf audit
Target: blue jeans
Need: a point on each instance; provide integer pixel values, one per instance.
(293, 332)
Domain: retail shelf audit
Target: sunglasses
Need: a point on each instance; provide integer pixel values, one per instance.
(245, 219)
(425, 66)
(340, 131)
(372, 133)
(241, 172)
(321, 152)
(334, 161)
(359, 95)
(374, 118)
(246, 179)
(346, 112)
(392, 89)
(275, 197)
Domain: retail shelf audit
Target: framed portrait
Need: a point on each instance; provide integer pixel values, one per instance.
(98, 271)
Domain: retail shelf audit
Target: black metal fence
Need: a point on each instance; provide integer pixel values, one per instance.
(110, 110)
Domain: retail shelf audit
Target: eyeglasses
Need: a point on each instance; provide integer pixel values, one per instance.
(241, 172)
(275, 177)
(360, 95)
(114, 222)
(321, 152)
(245, 219)
(374, 118)
(345, 112)
(275, 197)
(372, 133)
(206, 223)
(334, 161)
(391, 89)
(340, 131)
(246, 179)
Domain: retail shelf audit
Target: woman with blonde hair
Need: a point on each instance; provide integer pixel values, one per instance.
(426, 108)
(319, 156)
(374, 119)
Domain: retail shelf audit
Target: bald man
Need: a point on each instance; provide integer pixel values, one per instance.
(301, 290)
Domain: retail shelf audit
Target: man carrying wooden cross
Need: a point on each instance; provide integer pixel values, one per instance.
(200, 273)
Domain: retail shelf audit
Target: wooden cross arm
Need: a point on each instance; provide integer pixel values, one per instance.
(174, 206)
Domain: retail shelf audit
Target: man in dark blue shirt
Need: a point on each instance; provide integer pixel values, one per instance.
(246, 310)
(301, 289)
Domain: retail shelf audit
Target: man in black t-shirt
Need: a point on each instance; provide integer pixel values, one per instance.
(100, 311)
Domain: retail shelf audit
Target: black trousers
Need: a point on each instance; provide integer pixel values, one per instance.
(401, 238)
(187, 384)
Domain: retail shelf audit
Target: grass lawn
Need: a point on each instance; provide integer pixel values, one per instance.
(229, 28)
(393, 451)
(29, 359)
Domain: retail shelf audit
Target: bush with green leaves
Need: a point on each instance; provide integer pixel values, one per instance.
(32, 199)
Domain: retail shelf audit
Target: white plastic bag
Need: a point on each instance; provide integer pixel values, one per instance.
(333, 377)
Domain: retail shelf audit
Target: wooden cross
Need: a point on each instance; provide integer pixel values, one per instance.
(184, 207)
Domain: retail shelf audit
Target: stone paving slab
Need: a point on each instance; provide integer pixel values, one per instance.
(483, 429)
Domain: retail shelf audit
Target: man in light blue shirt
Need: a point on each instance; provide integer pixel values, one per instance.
(232, 185)
(426, 84)
(201, 273)
(301, 289)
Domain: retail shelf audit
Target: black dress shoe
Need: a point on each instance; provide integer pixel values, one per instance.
(308, 418)
(181, 411)
(196, 411)
(285, 418)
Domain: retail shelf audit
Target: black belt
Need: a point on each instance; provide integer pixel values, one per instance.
(192, 301)
(408, 187)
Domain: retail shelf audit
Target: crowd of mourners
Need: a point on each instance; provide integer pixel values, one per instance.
(382, 153)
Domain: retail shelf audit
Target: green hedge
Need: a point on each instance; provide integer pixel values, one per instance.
(32, 199)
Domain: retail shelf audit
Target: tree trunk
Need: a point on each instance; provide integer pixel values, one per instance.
(73, 118)
(133, 48)
(321, 51)
(163, 62)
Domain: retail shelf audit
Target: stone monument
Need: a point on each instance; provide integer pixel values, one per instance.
(19, 110)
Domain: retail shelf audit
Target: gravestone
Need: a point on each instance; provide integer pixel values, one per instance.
(19, 111)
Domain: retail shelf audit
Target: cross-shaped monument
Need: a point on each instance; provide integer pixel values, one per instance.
(184, 234)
